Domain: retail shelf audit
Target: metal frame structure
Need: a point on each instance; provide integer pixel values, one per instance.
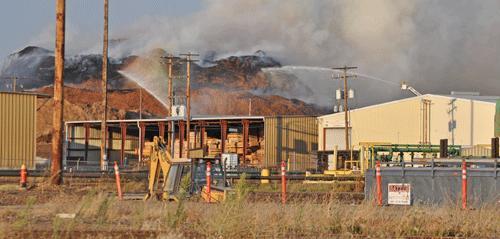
(199, 123)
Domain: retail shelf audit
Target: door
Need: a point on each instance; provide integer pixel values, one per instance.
(335, 136)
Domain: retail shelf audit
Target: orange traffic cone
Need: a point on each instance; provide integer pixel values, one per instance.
(24, 176)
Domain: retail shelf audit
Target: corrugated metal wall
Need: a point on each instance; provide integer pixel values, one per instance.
(17, 130)
(400, 122)
(291, 137)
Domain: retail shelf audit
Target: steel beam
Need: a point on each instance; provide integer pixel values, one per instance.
(161, 129)
(246, 125)
(142, 128)
(123, 129)
(182, 128)
(87, 133)
(202, 136)
(223, 133)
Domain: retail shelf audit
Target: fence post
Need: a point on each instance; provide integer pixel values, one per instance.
(209, 181)
(379, 184)
(23, 175)
(283, 182)
(464, 184)
(118, 183)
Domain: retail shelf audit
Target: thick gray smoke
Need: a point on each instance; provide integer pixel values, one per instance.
(437, 46)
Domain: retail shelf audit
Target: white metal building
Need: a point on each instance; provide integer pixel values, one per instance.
(463, 120)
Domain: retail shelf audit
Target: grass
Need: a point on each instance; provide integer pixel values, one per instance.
(9, 187)
(336, 186)
(99, 211)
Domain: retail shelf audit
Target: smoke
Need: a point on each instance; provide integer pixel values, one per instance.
(436, 46)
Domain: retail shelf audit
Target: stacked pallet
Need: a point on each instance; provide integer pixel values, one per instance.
(256, 154)
(195, 139)
(177, 149)
(214, 147)
(253, 141)
(234, 143)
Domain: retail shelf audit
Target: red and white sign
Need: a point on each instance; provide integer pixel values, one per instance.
(399, 194)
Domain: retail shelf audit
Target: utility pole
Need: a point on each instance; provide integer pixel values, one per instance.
(250, 107)
(14, 84)
(140, 102)
(57, 118)
(452, 124)
(104, 160)
(170, 99)
(170, 88)
(346, 106)
(189, 59)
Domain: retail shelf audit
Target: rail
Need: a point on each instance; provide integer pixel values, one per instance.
(80, 174)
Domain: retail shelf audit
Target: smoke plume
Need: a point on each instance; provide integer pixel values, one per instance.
(436, 46)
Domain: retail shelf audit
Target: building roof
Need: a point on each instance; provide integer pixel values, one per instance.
(38, 95)
(483, 99)
(193, 118)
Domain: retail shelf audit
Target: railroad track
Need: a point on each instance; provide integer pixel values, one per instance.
(80, 174)
(143, 174)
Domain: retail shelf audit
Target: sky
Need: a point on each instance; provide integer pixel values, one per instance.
(435, 46)
(22, 21)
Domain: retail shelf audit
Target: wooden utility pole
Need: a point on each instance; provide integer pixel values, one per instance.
(104, 159)
(346, 105)
(140, 102)
(189, 59)
(250, 107)
(14, 83)
(170, 99)
(170, 102)
(57, 118)
(170, 88)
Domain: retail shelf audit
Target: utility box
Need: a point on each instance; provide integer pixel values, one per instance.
(230, 161)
